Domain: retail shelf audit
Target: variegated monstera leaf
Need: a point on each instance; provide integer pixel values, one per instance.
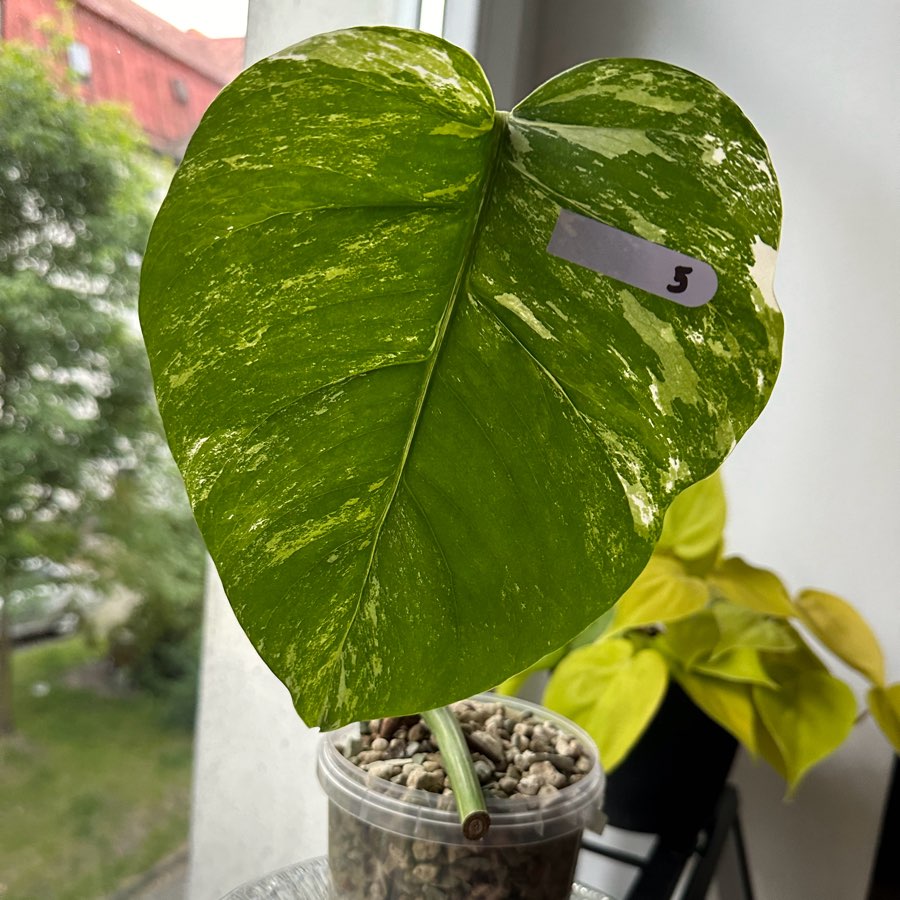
(433, 372)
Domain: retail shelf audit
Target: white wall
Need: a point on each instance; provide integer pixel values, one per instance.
(256, 804)
(814, 488)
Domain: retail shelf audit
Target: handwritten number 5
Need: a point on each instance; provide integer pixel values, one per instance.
(681, 282)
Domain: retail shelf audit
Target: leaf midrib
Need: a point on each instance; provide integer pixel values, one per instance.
(499, 130)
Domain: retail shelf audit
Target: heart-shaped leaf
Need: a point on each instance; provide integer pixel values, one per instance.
(740, 664)
(689, 639)
(884, 704)
(663, 592)
(785, 664)
(694, 525)
(611, 691)
(843, 631)
(730, 703)
(752, 587)
(808, 717)
(768, 750)
(742, 627)
(422, 449)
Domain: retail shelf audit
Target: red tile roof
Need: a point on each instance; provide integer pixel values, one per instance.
(226, 53)
(219, 58)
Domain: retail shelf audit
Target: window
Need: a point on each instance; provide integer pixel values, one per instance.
(179, 90)
(101, 566)
(79, 56)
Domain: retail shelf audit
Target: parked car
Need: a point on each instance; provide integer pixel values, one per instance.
(43, 611)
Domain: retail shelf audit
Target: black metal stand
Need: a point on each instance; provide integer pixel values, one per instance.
(719, 850)
(886, 873)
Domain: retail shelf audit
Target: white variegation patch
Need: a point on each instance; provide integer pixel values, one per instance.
(763, 271)
(609, 143)
(514, 304)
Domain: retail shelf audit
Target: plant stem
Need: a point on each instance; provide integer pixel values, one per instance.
(458, 763)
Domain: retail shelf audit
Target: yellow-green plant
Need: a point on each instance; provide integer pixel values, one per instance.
(727, 632)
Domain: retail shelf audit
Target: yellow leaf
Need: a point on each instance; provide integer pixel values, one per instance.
(589, 635)
(742, 627)
(689, 639)
(739, 664)
(757, 589)
(571, 687)
(662, 592)
(695, 521)
(785, 665)
(726, 702)
(769, 751)
(843, 631)
(808, 717)
(610, 693)
(884, 704)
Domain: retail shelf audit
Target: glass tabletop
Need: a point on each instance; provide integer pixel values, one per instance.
(310, 881)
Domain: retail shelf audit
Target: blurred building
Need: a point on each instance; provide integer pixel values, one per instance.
(122, 52)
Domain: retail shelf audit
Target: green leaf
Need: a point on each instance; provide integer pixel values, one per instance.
(809, 717)
(754, 588)
(884, 704)
(611, 692)
(424, 451)
(729, 703)
(742, 627)
(663, 592)
(843, 631)
(694, 525)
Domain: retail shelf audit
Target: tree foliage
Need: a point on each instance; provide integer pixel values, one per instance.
(73, 220)
(76, 189)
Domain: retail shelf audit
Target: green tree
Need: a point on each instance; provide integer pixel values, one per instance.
(75, 413)
(162, 560)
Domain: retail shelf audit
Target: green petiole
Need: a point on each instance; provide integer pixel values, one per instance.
(457, 762)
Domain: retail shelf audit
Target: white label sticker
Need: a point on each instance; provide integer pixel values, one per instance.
(633, 260)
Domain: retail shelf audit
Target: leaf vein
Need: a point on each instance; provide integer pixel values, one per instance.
(437, 543)
(465, 265)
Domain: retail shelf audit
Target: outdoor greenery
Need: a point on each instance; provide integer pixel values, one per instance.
(727, 633)
(162, 561)
(422, 449)
(95, 787)
(95, 764)
(90, 503)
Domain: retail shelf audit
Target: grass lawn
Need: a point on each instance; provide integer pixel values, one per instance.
(93, 788)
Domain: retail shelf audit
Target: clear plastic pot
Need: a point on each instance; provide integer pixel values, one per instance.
(390, 842)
